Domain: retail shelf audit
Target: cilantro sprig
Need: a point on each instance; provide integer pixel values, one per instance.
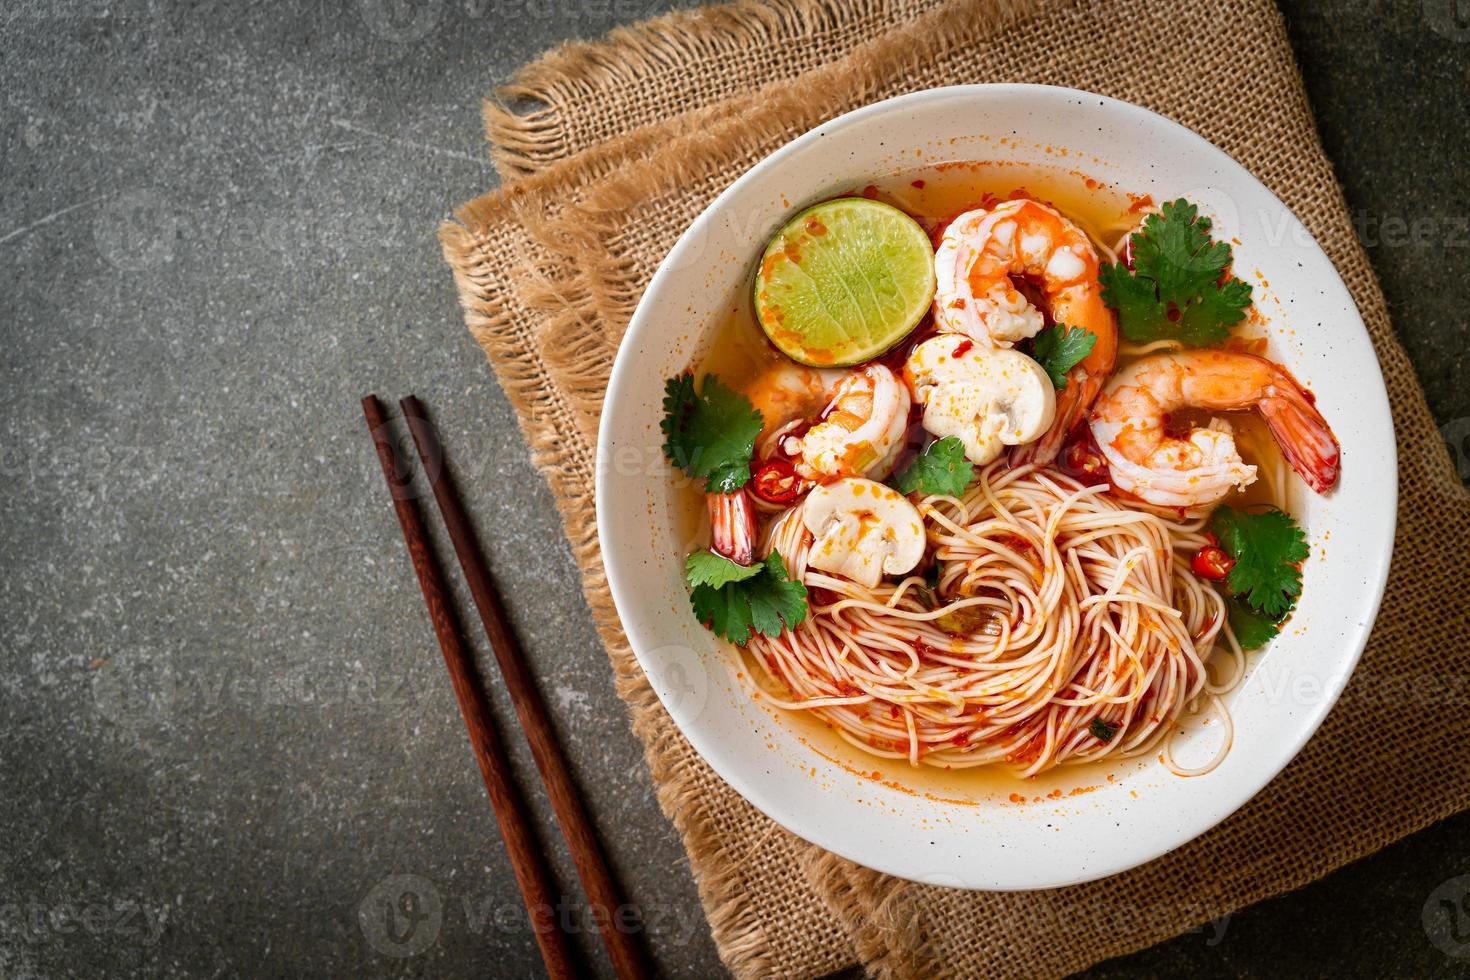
(709, 433)
(736, 605)
(940, 469)
(1267, 548)
(1175, 289)
(1059, 348)
(708, 568)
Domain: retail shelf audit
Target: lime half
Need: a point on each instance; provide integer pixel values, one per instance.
(844, 281)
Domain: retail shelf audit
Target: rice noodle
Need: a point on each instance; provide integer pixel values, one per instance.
(1065, 607)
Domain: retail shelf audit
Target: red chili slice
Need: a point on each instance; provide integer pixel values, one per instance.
(1082, 460)
(775, 481)
(1212, 563)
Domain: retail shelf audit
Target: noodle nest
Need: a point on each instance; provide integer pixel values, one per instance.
(1057, 626)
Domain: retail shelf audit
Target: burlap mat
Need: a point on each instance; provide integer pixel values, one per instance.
(633, 135)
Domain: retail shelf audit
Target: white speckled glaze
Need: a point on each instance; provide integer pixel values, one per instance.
(1144, 811)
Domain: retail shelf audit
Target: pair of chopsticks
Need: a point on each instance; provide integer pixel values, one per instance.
(510, 812)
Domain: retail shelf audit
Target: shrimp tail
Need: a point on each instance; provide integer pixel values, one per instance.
(1072, 403)
(732, 525)
(1305, 438)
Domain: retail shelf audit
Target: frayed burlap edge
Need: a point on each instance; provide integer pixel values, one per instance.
(524, 119)
(886, 928)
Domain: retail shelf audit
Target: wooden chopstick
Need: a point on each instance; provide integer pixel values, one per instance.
(576, 826)
(510, 812)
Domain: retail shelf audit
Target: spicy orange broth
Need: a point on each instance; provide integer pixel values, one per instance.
(739, 351)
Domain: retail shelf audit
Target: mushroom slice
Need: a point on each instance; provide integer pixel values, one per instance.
(989, 397)
(862, 530)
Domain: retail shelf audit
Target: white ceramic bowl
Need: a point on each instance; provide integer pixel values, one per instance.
(1075, 826)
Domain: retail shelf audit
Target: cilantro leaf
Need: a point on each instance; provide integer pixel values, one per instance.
(710, 433)
(708, 568)
(724, 611)
(1173, 291)
(1175, 250)
(1268, 549)
(777, 601)
(768, 602)
(1141, 316)
(1213, 312)
(1101, 730)
(1058, 348)
(940, 469)
(1251, 629)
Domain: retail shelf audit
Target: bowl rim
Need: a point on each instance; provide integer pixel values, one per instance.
(624, 595)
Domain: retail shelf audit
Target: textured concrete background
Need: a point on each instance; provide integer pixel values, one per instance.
(225, 725)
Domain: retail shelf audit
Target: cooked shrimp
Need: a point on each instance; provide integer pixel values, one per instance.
(860, 433)
(978, 256)
(786, 393)
(1201, 467)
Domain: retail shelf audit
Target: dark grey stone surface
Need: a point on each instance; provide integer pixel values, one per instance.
(225, 725)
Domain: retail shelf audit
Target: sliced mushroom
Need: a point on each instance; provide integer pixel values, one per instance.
(990, 398)
(862, 530)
